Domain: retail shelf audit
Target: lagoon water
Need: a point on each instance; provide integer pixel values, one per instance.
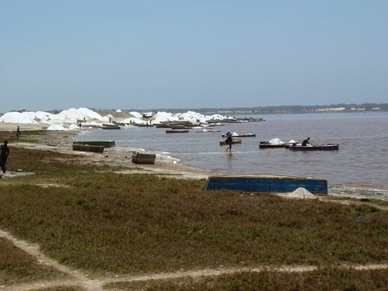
(362, 159)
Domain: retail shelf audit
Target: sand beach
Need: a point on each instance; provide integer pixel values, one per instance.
(61, 142)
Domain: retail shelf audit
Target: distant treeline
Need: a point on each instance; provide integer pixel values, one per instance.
(287, 109)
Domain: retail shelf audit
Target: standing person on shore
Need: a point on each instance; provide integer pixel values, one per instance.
(229, 141)
(4, 152)
(17, 132)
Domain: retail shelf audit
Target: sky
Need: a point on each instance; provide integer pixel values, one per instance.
(152, 54)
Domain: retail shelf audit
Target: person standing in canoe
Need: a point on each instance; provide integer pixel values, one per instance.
(228, 141)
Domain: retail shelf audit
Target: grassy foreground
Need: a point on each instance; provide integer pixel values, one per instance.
(89, 218)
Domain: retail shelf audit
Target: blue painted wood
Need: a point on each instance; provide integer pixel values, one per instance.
(266, 183)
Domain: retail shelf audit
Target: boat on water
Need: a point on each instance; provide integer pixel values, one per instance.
(104, 143)
(251, 119)
(234, 141)
(205, 130)
(325, 147)
(242, 135)
(276, 143)
(177, 131)
(110, 126)
(268, 145)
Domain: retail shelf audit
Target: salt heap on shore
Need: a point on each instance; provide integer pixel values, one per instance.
(301, 193)
(70, 119)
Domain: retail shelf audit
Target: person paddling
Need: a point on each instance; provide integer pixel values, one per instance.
(306, 141)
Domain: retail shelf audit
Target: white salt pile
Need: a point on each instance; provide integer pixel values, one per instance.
(69, 119)
(300, 193)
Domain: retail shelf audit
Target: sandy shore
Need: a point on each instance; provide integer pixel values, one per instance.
(61, 141)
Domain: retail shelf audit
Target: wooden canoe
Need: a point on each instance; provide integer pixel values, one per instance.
(143, 158)
(104, 143)
(234, 141)
(268, 145)
(177, 131)
(242, 135)
(110, 126)
(207, 130)
(326, 147)
(88, 148)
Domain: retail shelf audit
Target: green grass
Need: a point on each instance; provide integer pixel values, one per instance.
(106, 223)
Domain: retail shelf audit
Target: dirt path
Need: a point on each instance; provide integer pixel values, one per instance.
(80, 279)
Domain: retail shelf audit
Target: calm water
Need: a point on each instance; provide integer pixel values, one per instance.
(362, 159)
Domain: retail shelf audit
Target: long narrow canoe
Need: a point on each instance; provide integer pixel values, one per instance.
(326, 147)
(88, 148)
(110, 126)
(242, 135)
(207, 130)
(104, 143)
(177, 131)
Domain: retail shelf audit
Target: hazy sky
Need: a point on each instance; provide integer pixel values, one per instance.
(150, 54)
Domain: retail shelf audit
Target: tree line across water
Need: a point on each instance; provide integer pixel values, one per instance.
(283, 109)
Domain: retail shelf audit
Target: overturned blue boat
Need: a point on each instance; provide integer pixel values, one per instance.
(266, 183)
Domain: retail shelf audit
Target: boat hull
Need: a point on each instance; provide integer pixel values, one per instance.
(88, 148)
(242, 135)
(207, 131)
(110, 126)
(266, 183)
(328, 147)
(142, 158)
(177, 131)
(104, 143)
(267, 145)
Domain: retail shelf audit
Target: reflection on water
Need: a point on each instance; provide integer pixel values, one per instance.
(361, 160)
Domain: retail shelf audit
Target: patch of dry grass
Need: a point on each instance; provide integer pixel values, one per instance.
(324, 279)
(135, 224)
(17, 266)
